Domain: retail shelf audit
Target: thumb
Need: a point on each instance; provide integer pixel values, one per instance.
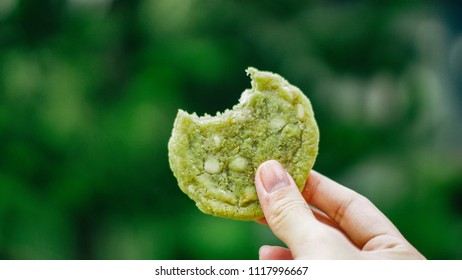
(286, 212)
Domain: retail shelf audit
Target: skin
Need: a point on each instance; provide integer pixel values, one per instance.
(344, 225)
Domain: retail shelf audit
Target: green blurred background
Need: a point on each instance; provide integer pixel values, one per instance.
(89, 90)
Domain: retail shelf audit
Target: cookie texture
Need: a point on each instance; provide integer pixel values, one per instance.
(214, 158)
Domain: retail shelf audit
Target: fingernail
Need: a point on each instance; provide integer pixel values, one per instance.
(273, 176)
(262, 252)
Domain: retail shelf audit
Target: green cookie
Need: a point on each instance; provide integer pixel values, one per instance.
(214, 158)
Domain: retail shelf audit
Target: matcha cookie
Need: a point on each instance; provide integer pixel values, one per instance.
(214, 158)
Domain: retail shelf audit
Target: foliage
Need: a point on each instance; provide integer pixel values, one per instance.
(89, 91)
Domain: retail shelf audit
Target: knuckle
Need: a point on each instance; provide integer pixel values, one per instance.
(282, 209)
(346, 205)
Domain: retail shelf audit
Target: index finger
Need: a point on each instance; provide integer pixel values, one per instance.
(354, 213)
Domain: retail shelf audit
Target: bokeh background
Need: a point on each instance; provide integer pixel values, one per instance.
(89, 90)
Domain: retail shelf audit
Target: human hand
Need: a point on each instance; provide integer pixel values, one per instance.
(344, 225)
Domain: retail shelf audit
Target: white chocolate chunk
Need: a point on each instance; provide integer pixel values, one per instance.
(221, 195)
(300, 112)
(286, 93)
(248, 196)
(191, 189)
(277, 124)
(291, 130)
(295, 90)
(245, 96)
(217, 140)
(212, 165)
(238, 164)
(240, 116)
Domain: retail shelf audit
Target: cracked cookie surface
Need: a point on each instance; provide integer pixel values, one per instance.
(214, 158)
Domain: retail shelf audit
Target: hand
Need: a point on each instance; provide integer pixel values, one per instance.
(346, 226)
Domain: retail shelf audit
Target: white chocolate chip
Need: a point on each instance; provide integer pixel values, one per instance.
(300, 112)
(225, 196)
(217, 140)
(238, 164)
(295, 89)
(248, 196)
(245, 96)
(277, 124)
(212, 165)
(291, 130)
(286, 93)
(240, 116)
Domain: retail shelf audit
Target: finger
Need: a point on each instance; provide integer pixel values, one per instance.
(274, 253)
(286, 212)
(354, 214)
(321, 217)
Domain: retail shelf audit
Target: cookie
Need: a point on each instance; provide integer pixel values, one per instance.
(214, 158)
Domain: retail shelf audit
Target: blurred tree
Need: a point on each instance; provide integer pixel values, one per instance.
(89, 91)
